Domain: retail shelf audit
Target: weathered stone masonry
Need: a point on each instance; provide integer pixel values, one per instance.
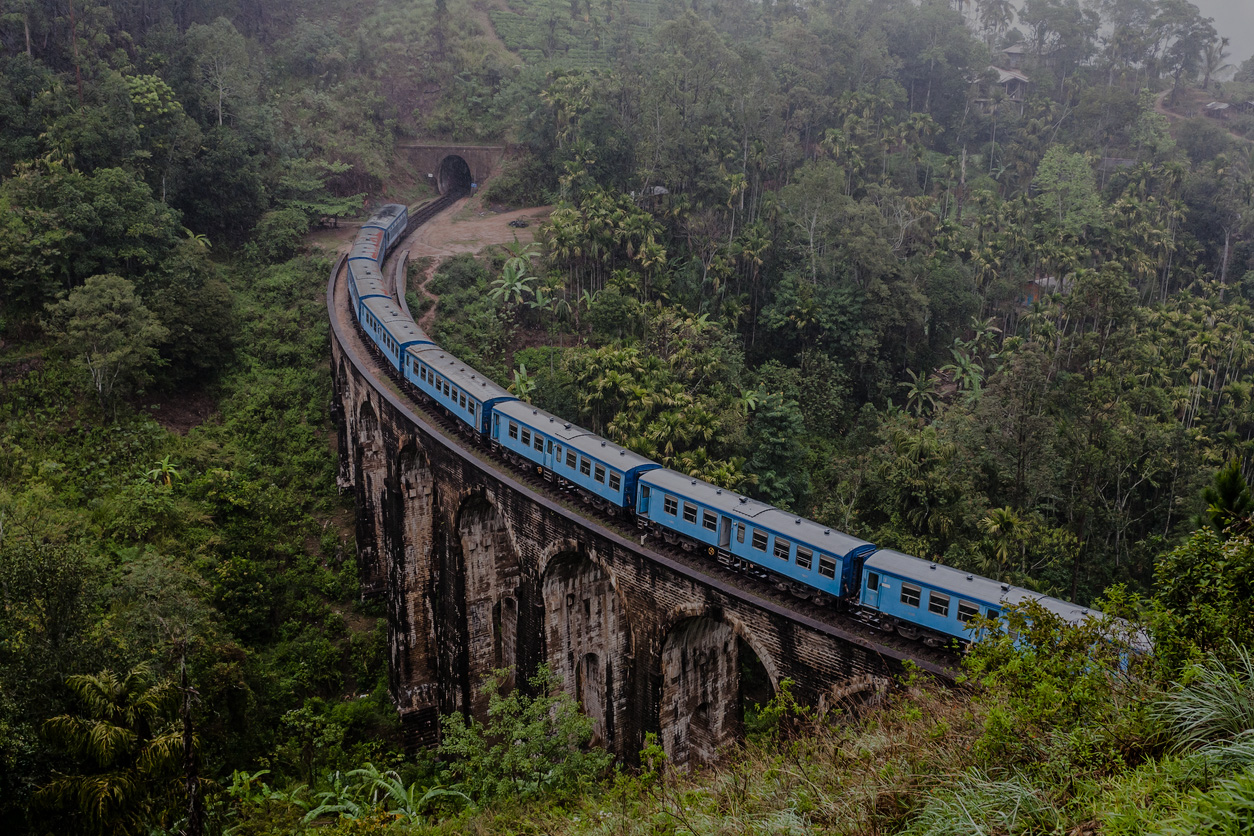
(480, 572)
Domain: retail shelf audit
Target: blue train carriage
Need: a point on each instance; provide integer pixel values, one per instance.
(604, 473)
(368, 246)
(365, 282)
(802, 556)
(392, 219)
(929, 601)
(463, 392)
(392, 331)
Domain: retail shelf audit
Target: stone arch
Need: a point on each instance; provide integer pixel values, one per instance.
(588, 638)
(411, 582)
(701, 704)
(370, 478)
(486, 607)
(454, 177)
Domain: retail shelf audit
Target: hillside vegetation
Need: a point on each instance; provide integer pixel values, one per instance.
(815, 252)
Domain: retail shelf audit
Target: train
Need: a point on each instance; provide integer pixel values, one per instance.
(919, 599)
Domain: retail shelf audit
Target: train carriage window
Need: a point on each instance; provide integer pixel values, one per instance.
(600, 474)
(570, 459)
(616, 481)
(782, 547)
(759, 540)
(827, 566)
(461, 398)
(539, 443)
(557, 454)
(526, 437)
(967, 611)
(548, 446)
(513, 430)
(805, 557)
(709, 520)
(994, 613)
(938, 604)
(910, 594)
(585, 466)
(670, 505)
(690, 512)
(740, 532)
(872, 581)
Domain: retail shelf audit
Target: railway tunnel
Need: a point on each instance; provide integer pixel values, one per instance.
(453, 176)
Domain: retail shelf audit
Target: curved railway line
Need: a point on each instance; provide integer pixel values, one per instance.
(757, 591)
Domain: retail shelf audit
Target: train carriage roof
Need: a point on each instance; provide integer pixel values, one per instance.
(401, 327)
(734, 505)
(575, 437)
(371, 287)
(459, 374)
(971, 586)
(385, 215)
(366, 245)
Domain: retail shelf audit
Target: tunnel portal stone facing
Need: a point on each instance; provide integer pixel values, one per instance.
(479, 571)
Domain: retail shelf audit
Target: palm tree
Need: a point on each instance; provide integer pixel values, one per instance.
(129, 753)
(1213, 55)
(164, 471)
(921, 393)
(1005, 528)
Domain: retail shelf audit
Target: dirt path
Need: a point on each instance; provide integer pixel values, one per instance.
(466, 227)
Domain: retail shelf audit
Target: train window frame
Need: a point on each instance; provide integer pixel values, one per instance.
(967, 610)
(911, 595)
(740, 532)
(616, 481)
(827, 565)
(805, 557)
(709, 519)
(585, 466)
(690, 512)
(782, 545)
(938, 603)
(513, 430)
(759, 540)
(571, 459)
(538, 444)
(670, 505)
(993, 613)
(873, 581)
(598, 473)
(525, 437)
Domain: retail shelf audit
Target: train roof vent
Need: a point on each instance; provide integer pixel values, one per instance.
(933, 566)
(472, 377)
(694, 481)
(566, 426)
(743, 500)
(1005, 587)
(719, 491)
(797, 521)
(602, 443)
(622, 452)
(535, 412)
(550, 419)
(969, 577)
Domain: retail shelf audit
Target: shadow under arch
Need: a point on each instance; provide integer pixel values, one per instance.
(488, 612)
(710, 672)
(412, 673)
(589, 642)
(370, 479)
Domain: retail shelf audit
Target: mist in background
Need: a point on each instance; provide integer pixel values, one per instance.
(1234, 20)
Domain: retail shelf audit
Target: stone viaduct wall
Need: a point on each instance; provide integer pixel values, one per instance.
(482, 570)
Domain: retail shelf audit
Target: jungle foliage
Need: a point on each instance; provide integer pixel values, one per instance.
(810, 251)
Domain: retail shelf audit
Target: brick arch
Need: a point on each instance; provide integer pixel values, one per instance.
(370, 472)
(588, 637)
(412, 673)
(487, 604)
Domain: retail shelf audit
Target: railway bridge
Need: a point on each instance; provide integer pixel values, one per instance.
(483, 567)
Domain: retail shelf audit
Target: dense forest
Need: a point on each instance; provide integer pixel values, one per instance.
(971, 280)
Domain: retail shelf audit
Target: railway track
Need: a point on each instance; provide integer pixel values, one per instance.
(756, 585)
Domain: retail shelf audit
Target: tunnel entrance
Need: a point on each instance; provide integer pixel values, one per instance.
(453, 177)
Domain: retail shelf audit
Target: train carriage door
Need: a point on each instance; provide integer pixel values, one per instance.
(871, 594)
(724, 533)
